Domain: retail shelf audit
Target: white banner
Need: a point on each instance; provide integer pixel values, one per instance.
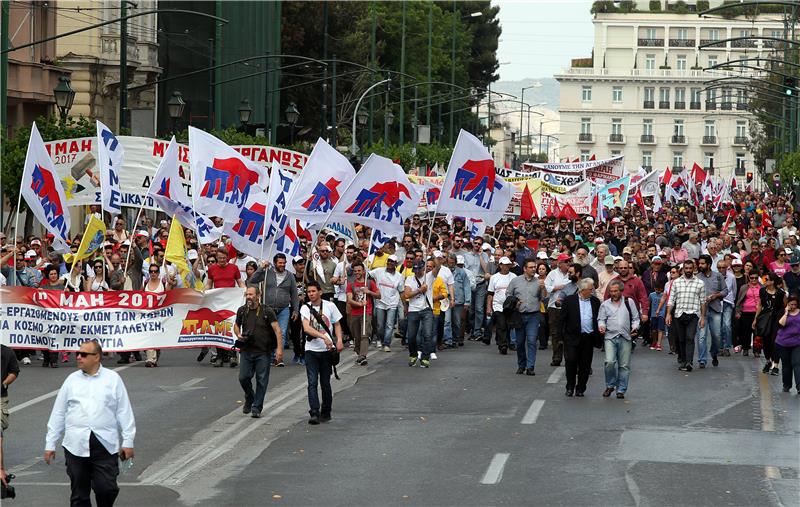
(599, 171)
(118, 320)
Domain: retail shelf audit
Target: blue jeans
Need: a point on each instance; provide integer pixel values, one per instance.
(318, 370)
(386, 320)
(458, 323)
(420, 333)
(447, 337)
(478, 308)
(527, 335)
(283, 323)
(727, 325)
(713, 327)
(254, 365)
(617, 366)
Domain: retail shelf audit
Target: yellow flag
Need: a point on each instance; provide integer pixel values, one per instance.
(175, 253)
(92, 241)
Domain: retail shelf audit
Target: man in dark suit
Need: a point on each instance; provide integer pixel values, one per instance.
(580, 332)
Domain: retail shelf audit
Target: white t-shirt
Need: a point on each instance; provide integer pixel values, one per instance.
(339, 292)
(390, 284)
(330, 315)
(242, 265)
(498, 284)
(417, 303)
(447, 276)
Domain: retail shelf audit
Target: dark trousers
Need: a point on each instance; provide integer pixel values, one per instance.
(342, 307)
(318, 371)
(744, 334)
(685, 328)
(254, 365)
(98, 472)
(578, 362)
(556, 340)
(296, 333)
(790, 361)
(500, 329)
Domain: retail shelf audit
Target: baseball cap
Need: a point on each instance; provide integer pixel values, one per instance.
(127, 242)
(627, 250)
(504, 260)
(142, 232)
(486, 246)
(459, 259)
(438, 253)
(36, 242)
(541, 255)
(736, 262)
(615, 220)
(163, 222)
(191, 254)
(618, 258)
(788, 251)
(563, 257)
(392, 258)
(30, 254)
(418, 265)
(298, 259)
(598, 240)
(609, 260)
(657, 259)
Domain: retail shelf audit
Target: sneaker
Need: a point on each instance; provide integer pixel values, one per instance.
(530, 372)
(234, 364)
(658, 348)
(301, 361)
(386, 348)
(324, 418)
(689, 367)
(246, 408)
(363, 361)
(359, 359)
(520, 371)
(202, 355)
(714, 361)
(774, 371)
(425, 363)
(433, 356)
(314, 419)
(256, 414)
(702, 365)
(280, 364)
(737, 349)
(26, 360)
(412, 361)
(419, 354)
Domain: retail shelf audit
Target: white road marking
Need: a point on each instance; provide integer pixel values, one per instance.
(533, 412)
(555, 377)
(51, 394)
(186, 386)
(494, 473)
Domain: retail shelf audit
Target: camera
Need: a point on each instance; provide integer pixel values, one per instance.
(238, 344)
(8, 491)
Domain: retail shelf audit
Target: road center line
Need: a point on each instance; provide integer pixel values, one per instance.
(555, 377)
(51, 394)
(494, 473)
(533, 412)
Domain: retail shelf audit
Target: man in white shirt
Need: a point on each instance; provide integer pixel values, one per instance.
(390, 284)
(498, 285)
(418, 291)
(447, 277)
(91, 412)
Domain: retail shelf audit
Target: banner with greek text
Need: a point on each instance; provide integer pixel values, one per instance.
(118, 320)
(598, 171)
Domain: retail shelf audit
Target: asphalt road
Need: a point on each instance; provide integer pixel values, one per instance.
(467, 431)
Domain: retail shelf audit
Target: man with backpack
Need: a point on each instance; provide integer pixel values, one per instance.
(618, 321)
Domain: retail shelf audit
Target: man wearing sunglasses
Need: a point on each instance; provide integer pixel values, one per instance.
(92, 411)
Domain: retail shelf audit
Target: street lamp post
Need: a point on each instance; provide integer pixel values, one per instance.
(175, 107)
(354, 145)
(388, 118)
(292, 115)
(64, 95)
(244, 112)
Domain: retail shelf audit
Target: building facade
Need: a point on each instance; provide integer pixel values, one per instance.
(643, 93)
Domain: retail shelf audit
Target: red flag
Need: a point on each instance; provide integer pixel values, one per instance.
(526, 210)
(766, 221)
(556, 208)
(592, 157)
(733, 182)
(568, 212)
(577, 159)
(593, 208)
(666, 177)
(638, 199)
(698, 174)
(730, 216)
(533, 244)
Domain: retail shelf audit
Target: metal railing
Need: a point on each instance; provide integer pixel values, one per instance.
(616, 138)
(709, 140)
(711, 105)
(680, 105)
(663, 104)
(649, 104)
(585, 138)
(647, 139)
(739, 140)
(694, 105)
(651, 43)
(681, 43)
(676, 139)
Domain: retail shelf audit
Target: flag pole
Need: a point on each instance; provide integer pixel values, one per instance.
(16, 232)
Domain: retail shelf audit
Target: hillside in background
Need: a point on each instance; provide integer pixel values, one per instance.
(548, 92)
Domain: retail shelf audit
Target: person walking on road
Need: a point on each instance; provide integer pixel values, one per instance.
(581, 333)
(788, 344)
(687, 299)
(321, 325)
(257, 327)
(10, 373)
(92, 411)
(618, 320)
(529, 290)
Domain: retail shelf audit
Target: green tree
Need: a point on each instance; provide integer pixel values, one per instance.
(788, 167)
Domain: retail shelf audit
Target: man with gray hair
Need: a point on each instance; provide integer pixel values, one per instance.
(618, 321)
(581, 334)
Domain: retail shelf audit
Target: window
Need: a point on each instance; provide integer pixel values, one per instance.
(744, 33)
(711, 95)
(650, 62)
(778, 34)
(709, 159)
(713, 34)
(663, 94)
(649, 33)
(683, 34)
(616, 153)
(740, 97)
(741, 128)
(649, 94)
(586, 93)
(647, 127)
(710, 129)
(680, 62)
(726, 95)
(677, 159)
(586, 125)
(680, 94)
(616, 126)
(695, 94)
(740, 164)
(712, 60)
(585, 155)
(616, 94)
(647, 159)
(678, 128)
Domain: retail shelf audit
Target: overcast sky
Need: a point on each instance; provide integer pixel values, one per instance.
(541, 36)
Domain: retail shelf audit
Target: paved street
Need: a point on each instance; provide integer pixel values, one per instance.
(465, 432)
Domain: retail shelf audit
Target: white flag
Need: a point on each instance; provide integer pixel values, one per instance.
(109, 160)
(247, 233)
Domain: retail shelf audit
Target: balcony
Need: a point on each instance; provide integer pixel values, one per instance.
(741, 106)
(680, 105)
(647, 168)
(663, 104)
(585, 138)
(681, 43)
(677, 139)
(739, 141)
(694, 105)
(616, 139)
(709, 141)
(743, 43)
(649, 104)
(710, 105)
(647, 139)
(726, 106)
(770, 43)
(714, 44)
(651, 43)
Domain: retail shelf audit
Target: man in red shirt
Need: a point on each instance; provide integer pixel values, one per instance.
(634, 289)
(222, 275)
(360, 294)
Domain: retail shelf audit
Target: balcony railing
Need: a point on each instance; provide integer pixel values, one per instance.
(676, 139)
(585, 138)
(718, 45)
(770, 43)
(710, 105)
(726, 106)
(681, 43)
(743, 43)
(647, 168)
(616, 138)
(739, 140)
(709, 140)
(694, 105)
(663, 104)
(649, 104)
(651, 43)
(647, 139)
(680, 105)
(741, 106)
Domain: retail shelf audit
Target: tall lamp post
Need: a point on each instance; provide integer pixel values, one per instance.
(292, 115)
(362, 118)
(175, 106)
(64, 95)
(388, 118)
(245, 111)
(354, 145)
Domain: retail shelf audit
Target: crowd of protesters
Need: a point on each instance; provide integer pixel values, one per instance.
(701, 284)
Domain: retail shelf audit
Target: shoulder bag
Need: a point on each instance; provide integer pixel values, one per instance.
(333, 354)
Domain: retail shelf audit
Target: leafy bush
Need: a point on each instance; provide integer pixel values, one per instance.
(655, 5)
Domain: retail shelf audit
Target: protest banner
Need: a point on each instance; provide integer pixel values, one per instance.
(598, 171)
(118, 320)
